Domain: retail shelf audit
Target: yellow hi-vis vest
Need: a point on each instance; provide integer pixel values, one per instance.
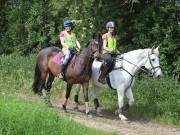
(70, 39)
(111, 43)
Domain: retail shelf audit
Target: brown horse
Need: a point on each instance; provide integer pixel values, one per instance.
(78, 70)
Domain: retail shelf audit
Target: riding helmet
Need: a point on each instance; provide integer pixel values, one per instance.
(68, 23)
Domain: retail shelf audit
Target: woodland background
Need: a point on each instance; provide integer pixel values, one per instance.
(26, 26)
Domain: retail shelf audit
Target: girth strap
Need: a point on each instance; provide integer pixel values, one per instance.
(109, 82)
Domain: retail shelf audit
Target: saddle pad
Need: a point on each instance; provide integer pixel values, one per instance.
(57, 58)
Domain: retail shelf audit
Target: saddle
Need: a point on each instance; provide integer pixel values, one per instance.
(111, 67)
(59, 56)
(109, 60)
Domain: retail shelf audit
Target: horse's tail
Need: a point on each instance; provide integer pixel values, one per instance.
(37, 78)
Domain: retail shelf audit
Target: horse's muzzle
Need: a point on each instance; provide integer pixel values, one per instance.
(158, 73)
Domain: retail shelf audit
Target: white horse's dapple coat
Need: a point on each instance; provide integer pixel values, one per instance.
(121, 79)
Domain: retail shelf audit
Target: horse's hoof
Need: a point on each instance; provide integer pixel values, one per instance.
(116, 112)
(64, 108)
(89, 115)
(99, 114)
(122, 117)
(75, 108)
(102, 80)
(65, 111)
(50, 105)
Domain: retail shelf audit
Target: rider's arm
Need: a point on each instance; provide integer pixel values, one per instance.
(78, 44)
(62, 40)
(105, 46)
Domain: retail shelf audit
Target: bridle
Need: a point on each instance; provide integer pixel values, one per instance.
(153, 68)
(91, 56)
(132, 76)
(148, 58)
(97, 43)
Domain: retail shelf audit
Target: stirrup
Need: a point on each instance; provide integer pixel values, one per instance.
(60, 76)
(102, 80)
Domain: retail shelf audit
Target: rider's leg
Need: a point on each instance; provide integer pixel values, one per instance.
(64, 62)
(105, 68)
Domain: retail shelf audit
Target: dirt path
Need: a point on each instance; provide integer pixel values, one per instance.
(110, 123)
(126, 128)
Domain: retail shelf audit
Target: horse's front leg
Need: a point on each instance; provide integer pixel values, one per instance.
(77, 90)
(130, 97)
(85, 92)
(96, 101)
(68, 90)
(120, 92)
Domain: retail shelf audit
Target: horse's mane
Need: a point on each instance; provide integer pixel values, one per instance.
(138, 52)
(87, 44)
(134, 52)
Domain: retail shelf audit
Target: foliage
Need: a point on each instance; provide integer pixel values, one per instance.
(28, 26)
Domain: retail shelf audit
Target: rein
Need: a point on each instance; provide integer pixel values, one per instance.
(132, 76)
(132, 64)
(90, 56)
(152, 67)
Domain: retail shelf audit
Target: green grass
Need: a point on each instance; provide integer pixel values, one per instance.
(155, 100)
(24, 117)
(16, 75)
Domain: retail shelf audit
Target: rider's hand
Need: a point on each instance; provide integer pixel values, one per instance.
(78, 49)
(111, 50)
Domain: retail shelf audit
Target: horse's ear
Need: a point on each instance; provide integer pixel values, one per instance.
(152, 49)
(87, 44)
(156, 50)
(100, 42)
(94, 36)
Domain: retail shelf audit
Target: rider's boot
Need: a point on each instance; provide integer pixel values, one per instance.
(104, 71)
(61, 75)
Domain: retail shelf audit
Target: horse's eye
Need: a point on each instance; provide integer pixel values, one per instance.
(153, 59)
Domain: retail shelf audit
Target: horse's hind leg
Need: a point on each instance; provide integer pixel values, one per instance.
(68, 90)
(77, 90)
(42, 82)
(48, 89)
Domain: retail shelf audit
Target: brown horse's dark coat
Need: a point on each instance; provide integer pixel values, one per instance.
(77, 71)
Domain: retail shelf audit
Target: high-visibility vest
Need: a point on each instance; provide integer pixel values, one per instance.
(111, 43)
(70, 39)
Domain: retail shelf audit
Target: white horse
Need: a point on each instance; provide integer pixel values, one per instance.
(122, 75)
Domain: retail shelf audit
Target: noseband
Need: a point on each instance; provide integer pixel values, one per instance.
(153, 68)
